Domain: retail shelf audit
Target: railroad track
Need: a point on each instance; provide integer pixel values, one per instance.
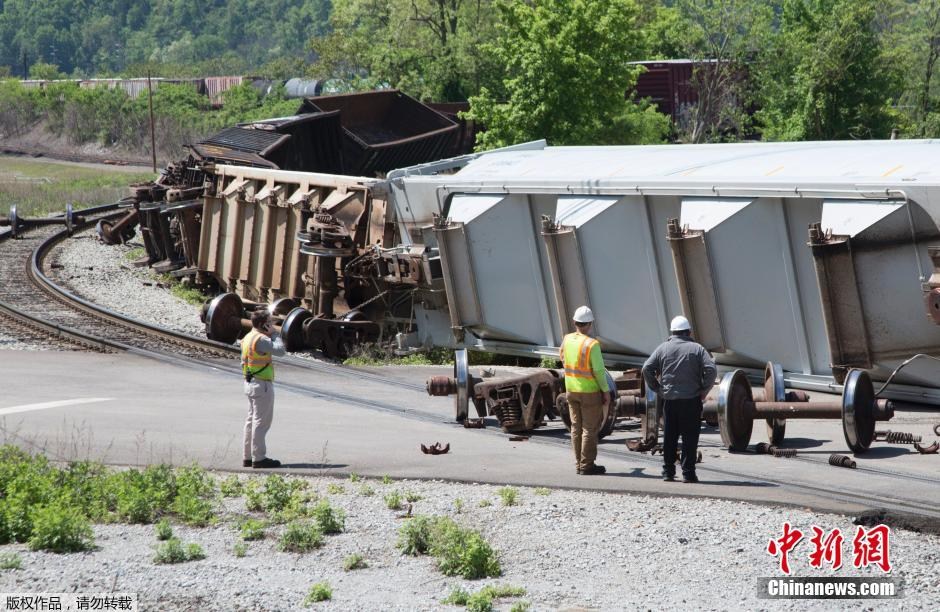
(39, 306)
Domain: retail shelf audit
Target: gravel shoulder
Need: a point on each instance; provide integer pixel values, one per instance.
(568, 549)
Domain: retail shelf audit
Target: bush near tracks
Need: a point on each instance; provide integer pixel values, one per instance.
(459, 551)
(52, 507)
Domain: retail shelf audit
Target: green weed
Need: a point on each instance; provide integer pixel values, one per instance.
(412, 497)
(330, 520)
(252, 529)
(386, 479)
(321, 591)
(353, 562)
(60, 529)
(335, 489)
(300, 537)
(10, 561)
(521, 606)
(163, 529)
(366, 491)
(231, 487)
(459, 551)
(240, 549)
(393, 500)
(354, 477)
(173, 551)
(458, 505)
(544, 491)
(485, 503)
(508, 495)
(458, 597)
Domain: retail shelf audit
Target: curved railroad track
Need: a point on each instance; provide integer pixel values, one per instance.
(41, 308)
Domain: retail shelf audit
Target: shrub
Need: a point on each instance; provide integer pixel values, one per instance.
(231, 487)
(354, 562)
(329, 519)
(321, 591)
(479, 602)
(542, 491)
(173, 551)
(335, 489)
(462, 552)
(254, 500)
(60, 529)
(10, 560)
(366, 491)
(508, 495)
(277, 493)
(141, 496)
(414, 537)
(163, 529)
(393, 500)
(411, 496)
(300, 537)
(239, 549)
(252, 529)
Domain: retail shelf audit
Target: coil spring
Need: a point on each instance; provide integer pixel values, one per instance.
(782, 452)
(508, 415)
(901, 437)
(841, 461)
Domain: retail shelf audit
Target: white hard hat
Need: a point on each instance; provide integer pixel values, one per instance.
(679, 323)
(583, 315)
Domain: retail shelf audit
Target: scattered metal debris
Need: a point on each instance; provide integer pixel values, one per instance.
(639, 445)
(518, 438)
(435, 449)
(474, 424)
(896, 437)
(841, 461)
(928, 450)
(782, 452)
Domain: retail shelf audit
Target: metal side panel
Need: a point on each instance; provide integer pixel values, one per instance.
(292, 284)
(568, 284)
(697, 288)
(462, 299)
(209, 236)
(284, 247)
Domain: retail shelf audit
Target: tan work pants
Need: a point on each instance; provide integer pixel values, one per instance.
(260, 414)
(587, 411)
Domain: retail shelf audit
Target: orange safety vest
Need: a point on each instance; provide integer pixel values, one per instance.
(258, 364)
(575, 353)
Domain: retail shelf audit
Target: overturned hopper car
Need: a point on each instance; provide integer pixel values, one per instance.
(822, 257)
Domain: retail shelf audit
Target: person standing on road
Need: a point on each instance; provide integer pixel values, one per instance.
(259, 347)
(682, 373)
(587, 390)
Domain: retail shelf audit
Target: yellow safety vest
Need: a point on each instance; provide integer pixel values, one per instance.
(575, 353)
(254, 362)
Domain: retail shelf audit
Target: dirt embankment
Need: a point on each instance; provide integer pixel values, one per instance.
(39, 142)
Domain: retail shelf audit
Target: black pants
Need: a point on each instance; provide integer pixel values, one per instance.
(681, 417)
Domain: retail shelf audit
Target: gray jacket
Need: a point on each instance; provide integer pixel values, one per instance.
(680, 368)
(273, 345)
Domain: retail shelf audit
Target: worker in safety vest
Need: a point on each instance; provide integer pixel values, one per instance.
(587, 390)
(682, 372)
(258, 348)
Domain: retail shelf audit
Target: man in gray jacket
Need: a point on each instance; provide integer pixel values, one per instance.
(682, 372)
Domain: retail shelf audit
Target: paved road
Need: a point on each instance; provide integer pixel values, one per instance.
(129, 410)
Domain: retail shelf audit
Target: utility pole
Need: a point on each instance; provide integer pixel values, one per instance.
(153, 139)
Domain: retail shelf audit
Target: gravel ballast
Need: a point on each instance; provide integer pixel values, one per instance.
(567, 549)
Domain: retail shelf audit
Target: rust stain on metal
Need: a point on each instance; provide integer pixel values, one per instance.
(927, 450)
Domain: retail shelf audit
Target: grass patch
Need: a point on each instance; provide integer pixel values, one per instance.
(335, 489)
(353, 562)
(393, 500)
(509, 496)
(10, 561)
(543, 491)
(251, 529)
(458, 505)
(412, 497)
(240, 549)
(189, 294)
(379, 355)
(163, 530)
(549, 363)
(386, 479)
(484, 503)
(354, 477)
(458, 597)
(135, 254)
(38, 188)
(321, 591)
(366, 491)
(173, 551)
(459, 551)
(300, 537)
(521, 606)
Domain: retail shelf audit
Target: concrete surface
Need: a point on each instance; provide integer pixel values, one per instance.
(137, 410)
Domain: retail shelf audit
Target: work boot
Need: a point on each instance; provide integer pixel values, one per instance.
(593, 469)
(669, 477)
(246, 462)
(266, 463)
(689, 478)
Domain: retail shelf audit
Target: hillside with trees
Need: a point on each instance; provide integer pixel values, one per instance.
(556, 69)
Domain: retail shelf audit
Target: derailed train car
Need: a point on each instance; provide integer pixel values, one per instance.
(821, 258)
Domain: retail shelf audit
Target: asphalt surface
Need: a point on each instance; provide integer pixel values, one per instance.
(127, 409)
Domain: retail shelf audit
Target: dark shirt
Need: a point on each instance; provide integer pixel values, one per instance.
(680, 368)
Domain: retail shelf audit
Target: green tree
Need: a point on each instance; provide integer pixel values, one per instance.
(42, 70)
(567, 68)
(823, 76)
(430, 49)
